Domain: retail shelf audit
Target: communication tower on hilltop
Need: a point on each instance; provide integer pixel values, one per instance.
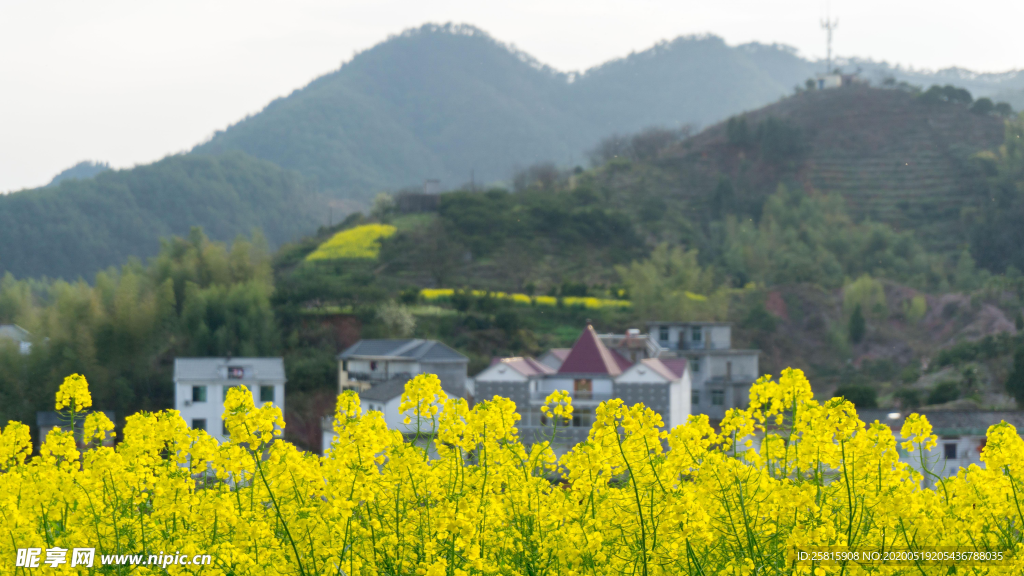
(829, 25)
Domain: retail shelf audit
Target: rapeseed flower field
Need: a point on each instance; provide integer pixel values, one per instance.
(359, 242)
(589, 302)
(785, 477)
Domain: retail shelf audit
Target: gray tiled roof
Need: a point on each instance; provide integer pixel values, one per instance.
(410, 349)
(216, 368)
(385, 391)
(678, 323)
(950, 422)
(14, 332)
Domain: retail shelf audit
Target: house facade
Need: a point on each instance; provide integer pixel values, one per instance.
(379, 369)
(201, 386)
(962, 437)
(378, 361)
(721, 375)
(386, 398)
(591, 373)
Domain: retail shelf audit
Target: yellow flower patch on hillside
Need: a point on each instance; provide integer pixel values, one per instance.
(359, 242)
(434, 294)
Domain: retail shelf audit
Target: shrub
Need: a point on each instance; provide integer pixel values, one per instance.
(908, 398)
(883, 369)
(944, 392)
(915, 309)
(1015, 382)
(760, 319)
(508, 321)
(860, 396)
(910, 374)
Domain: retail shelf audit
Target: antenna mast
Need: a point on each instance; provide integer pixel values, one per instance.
(829, 25)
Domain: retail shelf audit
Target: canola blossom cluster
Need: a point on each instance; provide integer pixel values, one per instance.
(786, 474)
(589, 302)
(359, 242)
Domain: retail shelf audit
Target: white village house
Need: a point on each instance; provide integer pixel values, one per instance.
(201, 386)
(961, 437)
(379, 369)
(722, 375)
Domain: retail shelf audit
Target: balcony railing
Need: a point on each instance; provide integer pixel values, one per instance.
(576, 395)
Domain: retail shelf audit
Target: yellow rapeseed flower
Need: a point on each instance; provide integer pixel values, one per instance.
(359, 242)
(74, 393)
(787, 474)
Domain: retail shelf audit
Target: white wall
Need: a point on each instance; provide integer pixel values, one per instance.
(679, 401)
(213, 409)
(598, 386)
(718, 337)
(384, 368)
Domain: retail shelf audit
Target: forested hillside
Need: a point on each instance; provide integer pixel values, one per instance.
(451, 103)
(869, 311)
(893, 156)
(81, 226)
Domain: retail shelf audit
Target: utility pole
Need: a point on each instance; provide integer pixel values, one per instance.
(829, 25)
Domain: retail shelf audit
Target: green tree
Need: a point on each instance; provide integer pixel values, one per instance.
(868, 294)
(861, 396)
(995, 231)
(944, 392)
(857, 325)
(398, 321)
(908, 398)
(1015, 382)
(671, 285)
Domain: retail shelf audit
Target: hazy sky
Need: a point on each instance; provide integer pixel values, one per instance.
(129, 82)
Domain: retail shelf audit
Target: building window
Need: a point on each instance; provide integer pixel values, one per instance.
(199, 423)
(236, 372)
(695, 397)
(582, 388)
(199, 395)
(663, 333)
(950, 451)
(373, 365)
(266, 393)
(695, 334)
(695, 365)
(226, 388)
(717, 397)
(224, 429)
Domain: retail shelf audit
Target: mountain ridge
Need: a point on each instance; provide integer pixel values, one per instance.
(450, 101)
(81, 226)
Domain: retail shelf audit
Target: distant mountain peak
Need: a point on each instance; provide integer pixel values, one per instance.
(83, 170)
(448, 102)
(468, 30)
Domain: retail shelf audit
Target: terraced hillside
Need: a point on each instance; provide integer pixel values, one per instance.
(892, 156)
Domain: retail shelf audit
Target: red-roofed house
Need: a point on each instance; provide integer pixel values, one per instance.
(591, 373)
